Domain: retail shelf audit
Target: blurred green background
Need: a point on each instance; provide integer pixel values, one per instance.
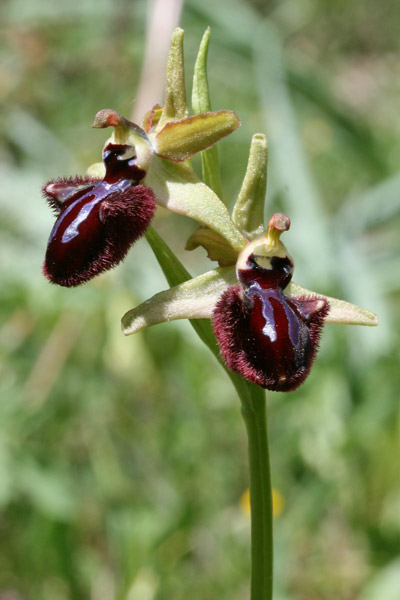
(123, 460)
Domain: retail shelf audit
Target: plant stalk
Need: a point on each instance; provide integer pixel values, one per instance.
(255, 417)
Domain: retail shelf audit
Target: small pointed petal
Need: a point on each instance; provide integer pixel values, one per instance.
(200, 104)
(340, 312)
(175, 105)
(179, 140)
(248, 212)
(177, 188)
(193, 299)
(217, 247)
(152, 117)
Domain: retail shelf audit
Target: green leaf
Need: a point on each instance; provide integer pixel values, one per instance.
(176, 187)
(175, 105)
(217, 247)
(179, 140)
(248, 212)
(192, 299)
(341, 312)
(201, 103)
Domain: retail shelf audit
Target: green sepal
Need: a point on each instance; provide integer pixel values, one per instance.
(175, 105)
(177, 188)
(200, 104)
(96, 170)
(193, 299)
(179, 140)
(248, 212)
(340, 312)
(217, 247)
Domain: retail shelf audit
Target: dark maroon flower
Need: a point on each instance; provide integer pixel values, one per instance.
(265, 336)
(97, 220)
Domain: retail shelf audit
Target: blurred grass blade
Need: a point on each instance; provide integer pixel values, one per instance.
(373, 207)
(201, 103)
(301, 199)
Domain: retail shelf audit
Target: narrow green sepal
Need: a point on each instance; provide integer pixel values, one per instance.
(193, 299)
(179, 140)
(216, 246)
(177, 188)
(200, 91)
(201, 103)
(175, 104)
(340, 312)
(248, 212)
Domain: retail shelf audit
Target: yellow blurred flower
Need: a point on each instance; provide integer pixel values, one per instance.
(278, 502)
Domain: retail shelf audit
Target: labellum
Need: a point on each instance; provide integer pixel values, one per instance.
(264, 336)
(97, 220)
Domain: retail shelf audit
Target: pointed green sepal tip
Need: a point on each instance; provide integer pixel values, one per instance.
(248, 212)
(200, 92)
(216, 246)
(175, 104)
(340, 311)
(193, 299)
(179, 140)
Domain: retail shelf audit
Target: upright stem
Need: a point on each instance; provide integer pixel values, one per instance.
(253, 402)
(255, 417)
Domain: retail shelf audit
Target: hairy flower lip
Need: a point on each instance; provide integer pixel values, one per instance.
(264, 336)
(273, 341)
(98, 220)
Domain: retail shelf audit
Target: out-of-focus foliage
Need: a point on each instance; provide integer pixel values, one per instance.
(123, 461)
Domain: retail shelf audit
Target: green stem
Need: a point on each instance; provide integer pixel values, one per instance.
(255, 417)
(253, 403)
